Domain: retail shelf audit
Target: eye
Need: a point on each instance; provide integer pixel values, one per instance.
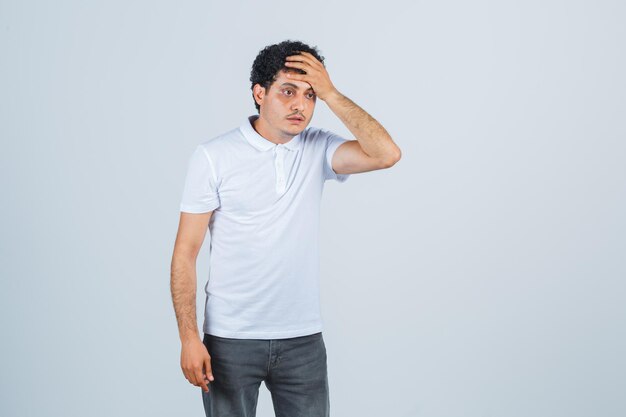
(288, 91)
(311, 95)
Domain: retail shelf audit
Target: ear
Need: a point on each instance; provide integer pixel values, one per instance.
(258, 93)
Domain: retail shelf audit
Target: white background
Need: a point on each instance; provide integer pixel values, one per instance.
(481, 276)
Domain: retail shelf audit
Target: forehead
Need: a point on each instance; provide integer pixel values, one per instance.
(281, 78)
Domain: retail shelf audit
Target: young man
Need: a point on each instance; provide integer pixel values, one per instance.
(258, 189)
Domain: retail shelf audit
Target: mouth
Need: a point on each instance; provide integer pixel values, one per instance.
(296, 119)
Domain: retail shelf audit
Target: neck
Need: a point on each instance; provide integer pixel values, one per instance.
(273, 135)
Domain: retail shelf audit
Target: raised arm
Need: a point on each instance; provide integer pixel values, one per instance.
(373, 147)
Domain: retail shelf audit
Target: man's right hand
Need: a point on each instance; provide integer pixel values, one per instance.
(196, 363)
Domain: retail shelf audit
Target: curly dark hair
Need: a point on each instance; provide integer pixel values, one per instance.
(271, 60)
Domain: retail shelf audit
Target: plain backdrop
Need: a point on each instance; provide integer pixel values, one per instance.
(481, 276)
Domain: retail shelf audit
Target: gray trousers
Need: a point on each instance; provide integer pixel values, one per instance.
(294, 371)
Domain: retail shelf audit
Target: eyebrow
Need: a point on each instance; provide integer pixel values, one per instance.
(294, 86)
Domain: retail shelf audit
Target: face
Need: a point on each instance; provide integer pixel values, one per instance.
(285, 99)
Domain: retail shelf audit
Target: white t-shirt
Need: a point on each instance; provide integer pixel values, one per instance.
(264, 259)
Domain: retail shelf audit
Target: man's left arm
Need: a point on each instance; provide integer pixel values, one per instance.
(373, 148)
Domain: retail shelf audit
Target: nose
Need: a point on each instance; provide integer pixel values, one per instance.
(298, 103)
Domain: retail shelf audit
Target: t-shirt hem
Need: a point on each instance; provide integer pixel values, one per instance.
(197, 209)
(264, 335)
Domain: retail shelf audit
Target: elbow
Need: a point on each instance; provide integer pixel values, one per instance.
(393, 158)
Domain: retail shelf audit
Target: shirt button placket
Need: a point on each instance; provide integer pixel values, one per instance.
(280, 169)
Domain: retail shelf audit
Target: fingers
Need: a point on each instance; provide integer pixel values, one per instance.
(201, 382)
(188, 376)
(294, 76)
(196, 365)
(304, 57)
(295, 64)
(195, 377)
(208, 370)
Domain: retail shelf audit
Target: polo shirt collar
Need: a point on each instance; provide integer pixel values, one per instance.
(262, 144)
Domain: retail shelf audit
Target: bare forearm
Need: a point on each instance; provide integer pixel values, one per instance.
(372, 136)
(183, 289)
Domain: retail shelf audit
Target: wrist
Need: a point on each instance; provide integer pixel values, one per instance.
(334, 95)
(189, 337)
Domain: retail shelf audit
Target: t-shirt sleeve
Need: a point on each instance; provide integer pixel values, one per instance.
(333, 141)
(200, 193)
